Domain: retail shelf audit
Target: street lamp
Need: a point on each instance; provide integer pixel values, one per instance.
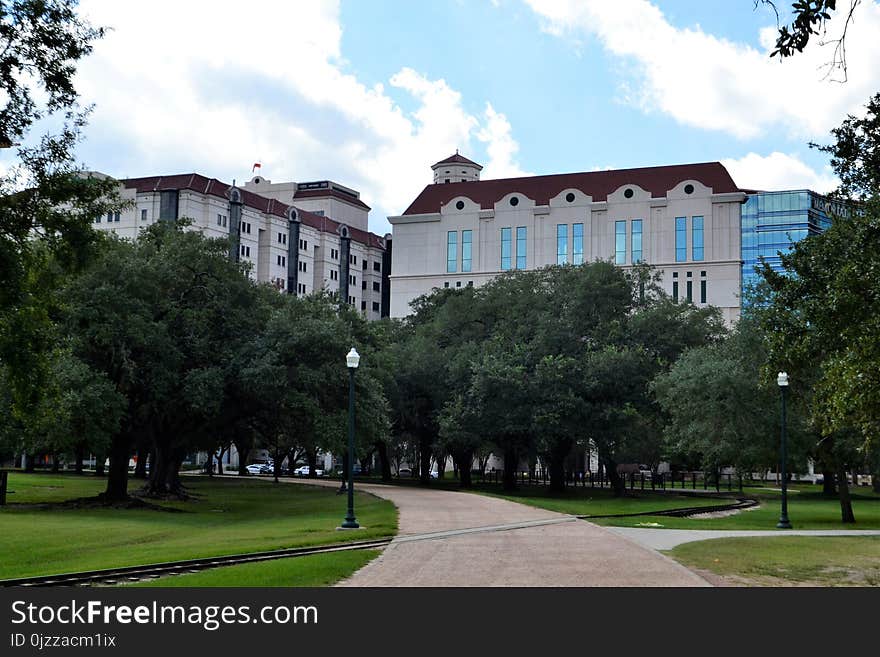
(782, 382)
(352, 360)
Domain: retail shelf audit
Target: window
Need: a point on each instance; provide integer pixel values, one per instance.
(244, 227)
(620, 242)
(365, 265)
(680, 239)
(109, 217)
(375, 306)
(115, 216)
(457, 283)
(363, 284)
(98, 219)
(636, 246)
(352, 280)
(520, 247)
(301, 288)
(246, 251)
(352, 259)
(303, 266)
(577, 244)
(282, 261)
(363, 305)
(143, 215)
(334, 275)
(351, 301)
(334, 253)
(697, 238)
(466, 249)
(703, 287)
(690, 290)
(561, 244)
(377, 266)
(376, 286)
(675, 291)
(446, 284)
(219, 219)
(168, 205)
(451, 251)
(282, 238)
(505, 248)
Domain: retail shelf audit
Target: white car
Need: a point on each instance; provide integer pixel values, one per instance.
(259, 468)
(303, 471)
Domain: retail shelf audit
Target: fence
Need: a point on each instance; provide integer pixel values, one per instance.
(632, 480)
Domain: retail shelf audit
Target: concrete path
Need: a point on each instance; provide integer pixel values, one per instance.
(448, 538)
(666, 539)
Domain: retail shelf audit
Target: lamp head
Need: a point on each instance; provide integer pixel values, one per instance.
(352, 359)
(782, 379)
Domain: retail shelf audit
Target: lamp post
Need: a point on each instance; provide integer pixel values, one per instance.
(782, 382)
(351, 360)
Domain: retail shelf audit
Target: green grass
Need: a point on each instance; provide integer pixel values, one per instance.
(228, 516)
(807, 509)
(313, 570)
(597, 502)
(780, 560)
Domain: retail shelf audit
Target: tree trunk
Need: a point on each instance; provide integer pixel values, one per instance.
(276, 466)
(829, 483)
(220, 460)
(79, 457)
(557, 473)
(511, 460)
(846, 510)
(312, 460)
(384, 462)
(243, 451)
(99, 464)
(618, 483)
(117, 476)
(464, 461)
(55, 463)
(140, 467)
(425, 461)
(29, 463)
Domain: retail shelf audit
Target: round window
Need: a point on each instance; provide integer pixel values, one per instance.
(257, 180)
(569, 197)
(514, 201)
(688, 189)
(628, 193)
(459, 205)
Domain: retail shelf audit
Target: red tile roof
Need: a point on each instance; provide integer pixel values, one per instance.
(214, 187)
(598, 184)
(458, 159)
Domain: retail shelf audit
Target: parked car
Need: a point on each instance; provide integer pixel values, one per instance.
(260, 468)
(434, 474)
(304, 471)
(404, 472)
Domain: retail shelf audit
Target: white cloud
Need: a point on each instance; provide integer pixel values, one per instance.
(220, 85)
(501, 146)
(778, 171)
(717, 84)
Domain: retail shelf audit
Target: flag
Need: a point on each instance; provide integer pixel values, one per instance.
(256, 166)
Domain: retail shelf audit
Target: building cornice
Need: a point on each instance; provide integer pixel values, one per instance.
(414, 218)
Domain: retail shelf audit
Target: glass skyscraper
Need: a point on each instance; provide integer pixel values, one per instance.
(773, 221)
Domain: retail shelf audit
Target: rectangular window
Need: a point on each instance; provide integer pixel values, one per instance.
(451, 251)
(98, 219)
(363, 305)
(697, 238)
(168, 205)
(561, 244)
(521, 247)
(690, 290)
(219, 219)
(363, 284)
(466, 249)
(115, 216)
(505, 248)
(109, 217)
(376, 287)
(377, 266)
(577, 244)
(365, 265)
(703, 291)
(143, 215)
(680, 239)
(375, 306)
(636, 246)
(620, 242)
(675, 291)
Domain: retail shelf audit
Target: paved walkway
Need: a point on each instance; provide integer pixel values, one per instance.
(666, 539)
(448, 538)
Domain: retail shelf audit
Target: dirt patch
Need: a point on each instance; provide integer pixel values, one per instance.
(723, 514)
(96, 502)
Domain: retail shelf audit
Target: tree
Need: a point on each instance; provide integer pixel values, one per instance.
(46, 205)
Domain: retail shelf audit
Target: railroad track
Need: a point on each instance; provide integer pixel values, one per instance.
(112, 576)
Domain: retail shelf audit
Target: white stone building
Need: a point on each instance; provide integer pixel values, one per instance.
(683, 219)
(329, 219)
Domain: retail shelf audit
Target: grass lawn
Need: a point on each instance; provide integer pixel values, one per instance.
(787, 560)
(807, 509)
(228, 516)
(313, 570)
(597, 502)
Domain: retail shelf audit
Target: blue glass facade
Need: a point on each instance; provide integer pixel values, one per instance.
(773, 221)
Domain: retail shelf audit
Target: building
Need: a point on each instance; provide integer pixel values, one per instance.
(301, 237)
(682, 219)
(773, 221)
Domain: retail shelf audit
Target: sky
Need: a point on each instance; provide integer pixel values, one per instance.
(370, 93)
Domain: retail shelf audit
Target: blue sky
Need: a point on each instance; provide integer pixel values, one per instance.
(370, 93)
